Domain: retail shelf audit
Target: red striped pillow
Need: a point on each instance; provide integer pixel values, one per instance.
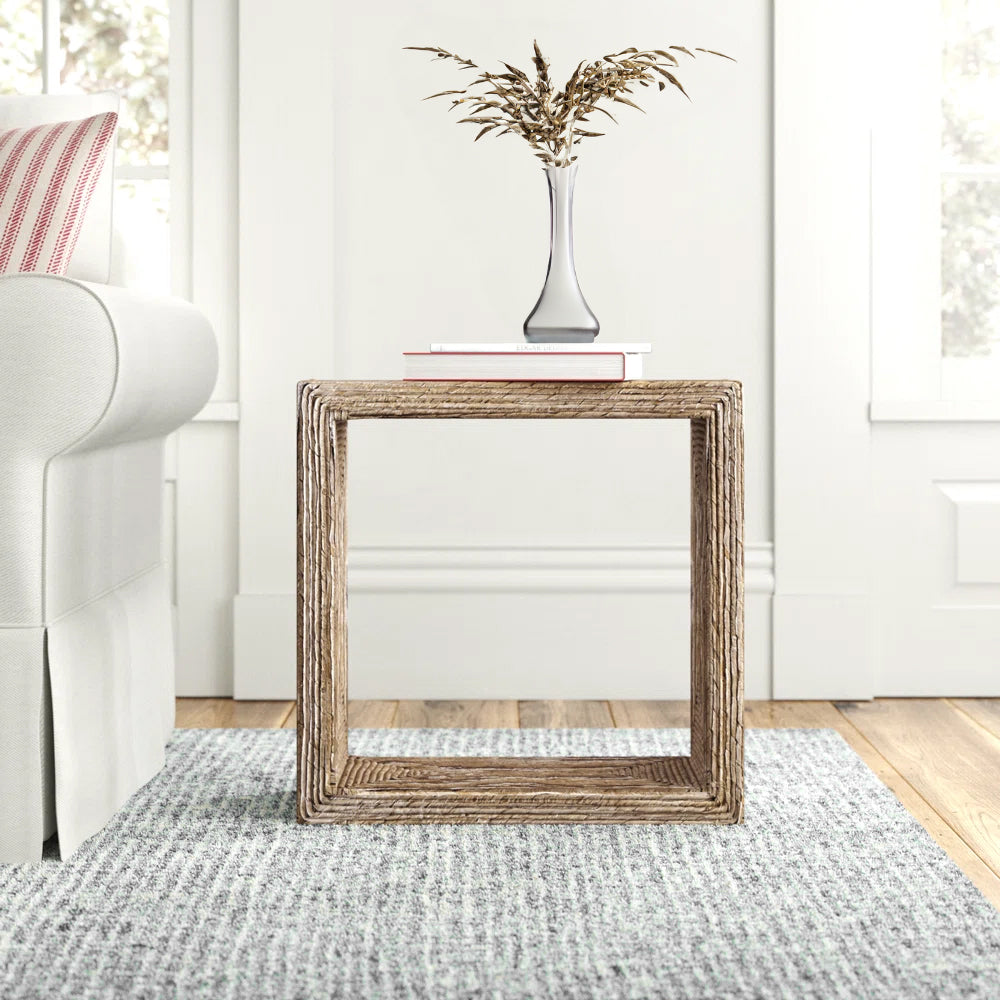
(47, 175)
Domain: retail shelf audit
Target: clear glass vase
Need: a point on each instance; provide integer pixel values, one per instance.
(561, 315)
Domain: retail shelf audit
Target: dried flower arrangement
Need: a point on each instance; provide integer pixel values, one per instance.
(550, 120)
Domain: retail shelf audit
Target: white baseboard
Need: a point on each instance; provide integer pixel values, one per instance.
(638, 569)
(264, 642)
(508, 623)
(823, 647)
(938, 652)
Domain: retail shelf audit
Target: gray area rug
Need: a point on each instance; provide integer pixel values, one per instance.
(204, 886)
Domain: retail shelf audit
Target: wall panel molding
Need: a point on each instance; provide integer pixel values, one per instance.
(324, 293)
(977, 529)
(822, 343)
(823, 647)
(536, 622)
(935, 411)
(635, 569)
(204, 561)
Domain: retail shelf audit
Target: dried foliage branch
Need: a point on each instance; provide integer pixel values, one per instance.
(549, 120)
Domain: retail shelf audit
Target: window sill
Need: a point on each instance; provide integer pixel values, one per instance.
(934, 411)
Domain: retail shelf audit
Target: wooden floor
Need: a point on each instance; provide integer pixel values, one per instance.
(941, 757)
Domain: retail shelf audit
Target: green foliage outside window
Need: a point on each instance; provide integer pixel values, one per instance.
(119, 45)
(970, 217)
(122, 45)
(20, 47)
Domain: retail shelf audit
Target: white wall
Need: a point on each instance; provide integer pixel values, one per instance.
(822, 470)
(936, 560)
(935, 557)
(887, 497)
(550, 560)
(370, 224)
(200, 537)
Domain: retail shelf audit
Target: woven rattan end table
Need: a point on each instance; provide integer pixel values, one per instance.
(707, 786)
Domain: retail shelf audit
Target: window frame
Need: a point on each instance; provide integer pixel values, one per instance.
(176, 170)
(911, 380)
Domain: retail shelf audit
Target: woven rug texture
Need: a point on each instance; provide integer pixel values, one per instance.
(204, 886)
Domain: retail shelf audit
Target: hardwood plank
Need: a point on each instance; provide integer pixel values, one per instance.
(986, 711)
(758, 714)
(565, 715)
(371, 714)
(951, 764)
(651, 714)
(360, 715)
(225, 713)
(792, 715)
(457, 715)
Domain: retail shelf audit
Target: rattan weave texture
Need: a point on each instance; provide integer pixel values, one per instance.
(706, 786)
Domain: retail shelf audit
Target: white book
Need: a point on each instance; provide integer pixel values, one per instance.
(521, 366)
(522, 346)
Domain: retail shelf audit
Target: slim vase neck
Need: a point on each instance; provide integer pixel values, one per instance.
(561, 314)
(561, 180)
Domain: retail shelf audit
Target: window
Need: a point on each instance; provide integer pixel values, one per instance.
(123, 45)
(20, 52)
(970, 202)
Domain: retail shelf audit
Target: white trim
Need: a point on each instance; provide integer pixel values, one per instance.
(179, 117)
(822, 436)
(219, 412)
(910, 378)
(823, 647)
(277, 291)
(206, 556)
(636, 569)
(493, 646)
(973, 491)
(904, 107)
(622, 634)
(973, 172)
(142, 171)
(934, 411)
(212, 194)
(51, 46)
(507, 645)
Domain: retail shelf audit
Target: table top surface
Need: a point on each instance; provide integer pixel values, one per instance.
(634, 398)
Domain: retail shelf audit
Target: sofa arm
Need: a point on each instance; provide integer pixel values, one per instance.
(83, 366)
(167, 364)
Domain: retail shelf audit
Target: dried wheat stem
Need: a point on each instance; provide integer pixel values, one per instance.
(507, 103)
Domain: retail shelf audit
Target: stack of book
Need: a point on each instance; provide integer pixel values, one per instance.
(524, 362)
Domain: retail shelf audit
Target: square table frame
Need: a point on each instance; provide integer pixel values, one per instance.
(335, 786)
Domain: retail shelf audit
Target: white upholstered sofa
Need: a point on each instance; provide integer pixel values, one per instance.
(92, 379)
